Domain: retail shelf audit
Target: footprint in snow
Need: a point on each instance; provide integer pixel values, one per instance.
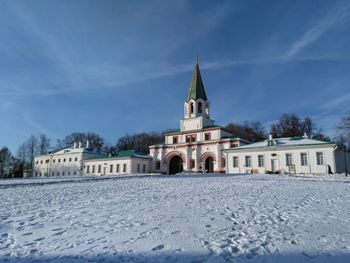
(160, 247)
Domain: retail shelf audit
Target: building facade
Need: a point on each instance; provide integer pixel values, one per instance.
(287, 155)
(198, 145)
(118, 163)
(63, 162)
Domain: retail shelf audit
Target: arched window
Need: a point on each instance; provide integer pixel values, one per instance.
(199, 107)
(191, 107)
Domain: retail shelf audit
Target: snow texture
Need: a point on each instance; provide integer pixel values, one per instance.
(186, 218)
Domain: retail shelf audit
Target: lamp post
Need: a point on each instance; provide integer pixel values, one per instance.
(345, 161)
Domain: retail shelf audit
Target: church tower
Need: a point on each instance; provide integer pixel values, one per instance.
(196, 107)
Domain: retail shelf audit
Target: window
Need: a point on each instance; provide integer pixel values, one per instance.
(117, 168)
(191, 107)
(303, 159)
(261, 161)
(58, 173)
(111, 168)
(64, 160)
(37, 162)
(138, 167)
(235, 161)
(158, 165)
(68, 173)
(124, 168)
(233, 145)
(192, 164)
(70, 159)
(199, 107)
(207, 136)
(248, 161)
(93, 169)
(76, 159)
(319, 158)
(289, 159)
(175, 140)
(52, 173)
(47, 161)
(63, 173)
(88, 169)
(191, 138)
(223, 162)
(59, 160)
(54, 160)
(99, 168)
(41, 162)
(144, 168)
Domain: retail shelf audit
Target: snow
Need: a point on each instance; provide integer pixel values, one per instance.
(186, 218)
(282, 142)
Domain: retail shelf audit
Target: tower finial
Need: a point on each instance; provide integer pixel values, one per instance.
(197, 58)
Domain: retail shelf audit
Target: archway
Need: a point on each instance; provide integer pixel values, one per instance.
(209, 165)
(175, 165)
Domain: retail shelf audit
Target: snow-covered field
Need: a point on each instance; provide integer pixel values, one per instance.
(202, 218)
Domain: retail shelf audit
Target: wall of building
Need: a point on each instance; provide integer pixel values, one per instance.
(65, 164)
(277, 158)
(194, 152)
(115, 166)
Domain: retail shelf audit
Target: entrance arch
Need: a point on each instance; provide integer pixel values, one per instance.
(175, 165)
(209, 165)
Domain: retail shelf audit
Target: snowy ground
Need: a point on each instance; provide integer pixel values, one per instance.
(203, 218)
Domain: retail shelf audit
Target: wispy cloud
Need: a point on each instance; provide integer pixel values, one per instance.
(337, 101)
(338, 15)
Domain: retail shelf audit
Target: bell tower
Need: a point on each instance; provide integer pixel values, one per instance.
(196, 107)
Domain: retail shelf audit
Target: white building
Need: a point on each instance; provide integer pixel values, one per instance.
(64, 162)
(197, 146)
(286, 155)
(122, 162)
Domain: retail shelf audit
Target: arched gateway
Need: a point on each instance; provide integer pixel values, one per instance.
(175, 165)
(209, 165)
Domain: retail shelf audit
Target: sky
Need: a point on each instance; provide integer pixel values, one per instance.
(118, 67)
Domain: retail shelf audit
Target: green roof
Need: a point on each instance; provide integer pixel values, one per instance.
(120, 154)
(197, 88)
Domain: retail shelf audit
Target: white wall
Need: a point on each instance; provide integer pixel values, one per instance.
(131, 166)
(280, 157)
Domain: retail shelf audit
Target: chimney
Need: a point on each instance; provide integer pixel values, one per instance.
(305, 136)
(79, 145)
(87, 144)
(74, 145)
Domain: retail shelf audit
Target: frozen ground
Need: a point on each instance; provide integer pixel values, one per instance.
(248, 218)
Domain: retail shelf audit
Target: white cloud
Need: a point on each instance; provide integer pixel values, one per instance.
(337, 16)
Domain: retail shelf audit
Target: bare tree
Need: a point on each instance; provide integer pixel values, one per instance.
(139, 142)
(43, 144)
(251, 131)
(96, 141)
(6, 162)
(343, 130)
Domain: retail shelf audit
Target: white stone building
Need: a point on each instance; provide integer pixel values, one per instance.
(197, 146)
(122, 162)
(64, 162)
(287, 155)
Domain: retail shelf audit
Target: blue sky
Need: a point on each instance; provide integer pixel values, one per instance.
(117, 67)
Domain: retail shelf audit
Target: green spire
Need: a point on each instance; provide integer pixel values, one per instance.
(197, 88)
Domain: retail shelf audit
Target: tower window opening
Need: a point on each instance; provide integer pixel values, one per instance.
(191, 108)
(199, 107)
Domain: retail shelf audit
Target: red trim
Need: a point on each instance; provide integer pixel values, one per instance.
(172, 154)
(221, 141)
(208, 154)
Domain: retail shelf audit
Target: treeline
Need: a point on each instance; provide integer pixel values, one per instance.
(288, 125)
